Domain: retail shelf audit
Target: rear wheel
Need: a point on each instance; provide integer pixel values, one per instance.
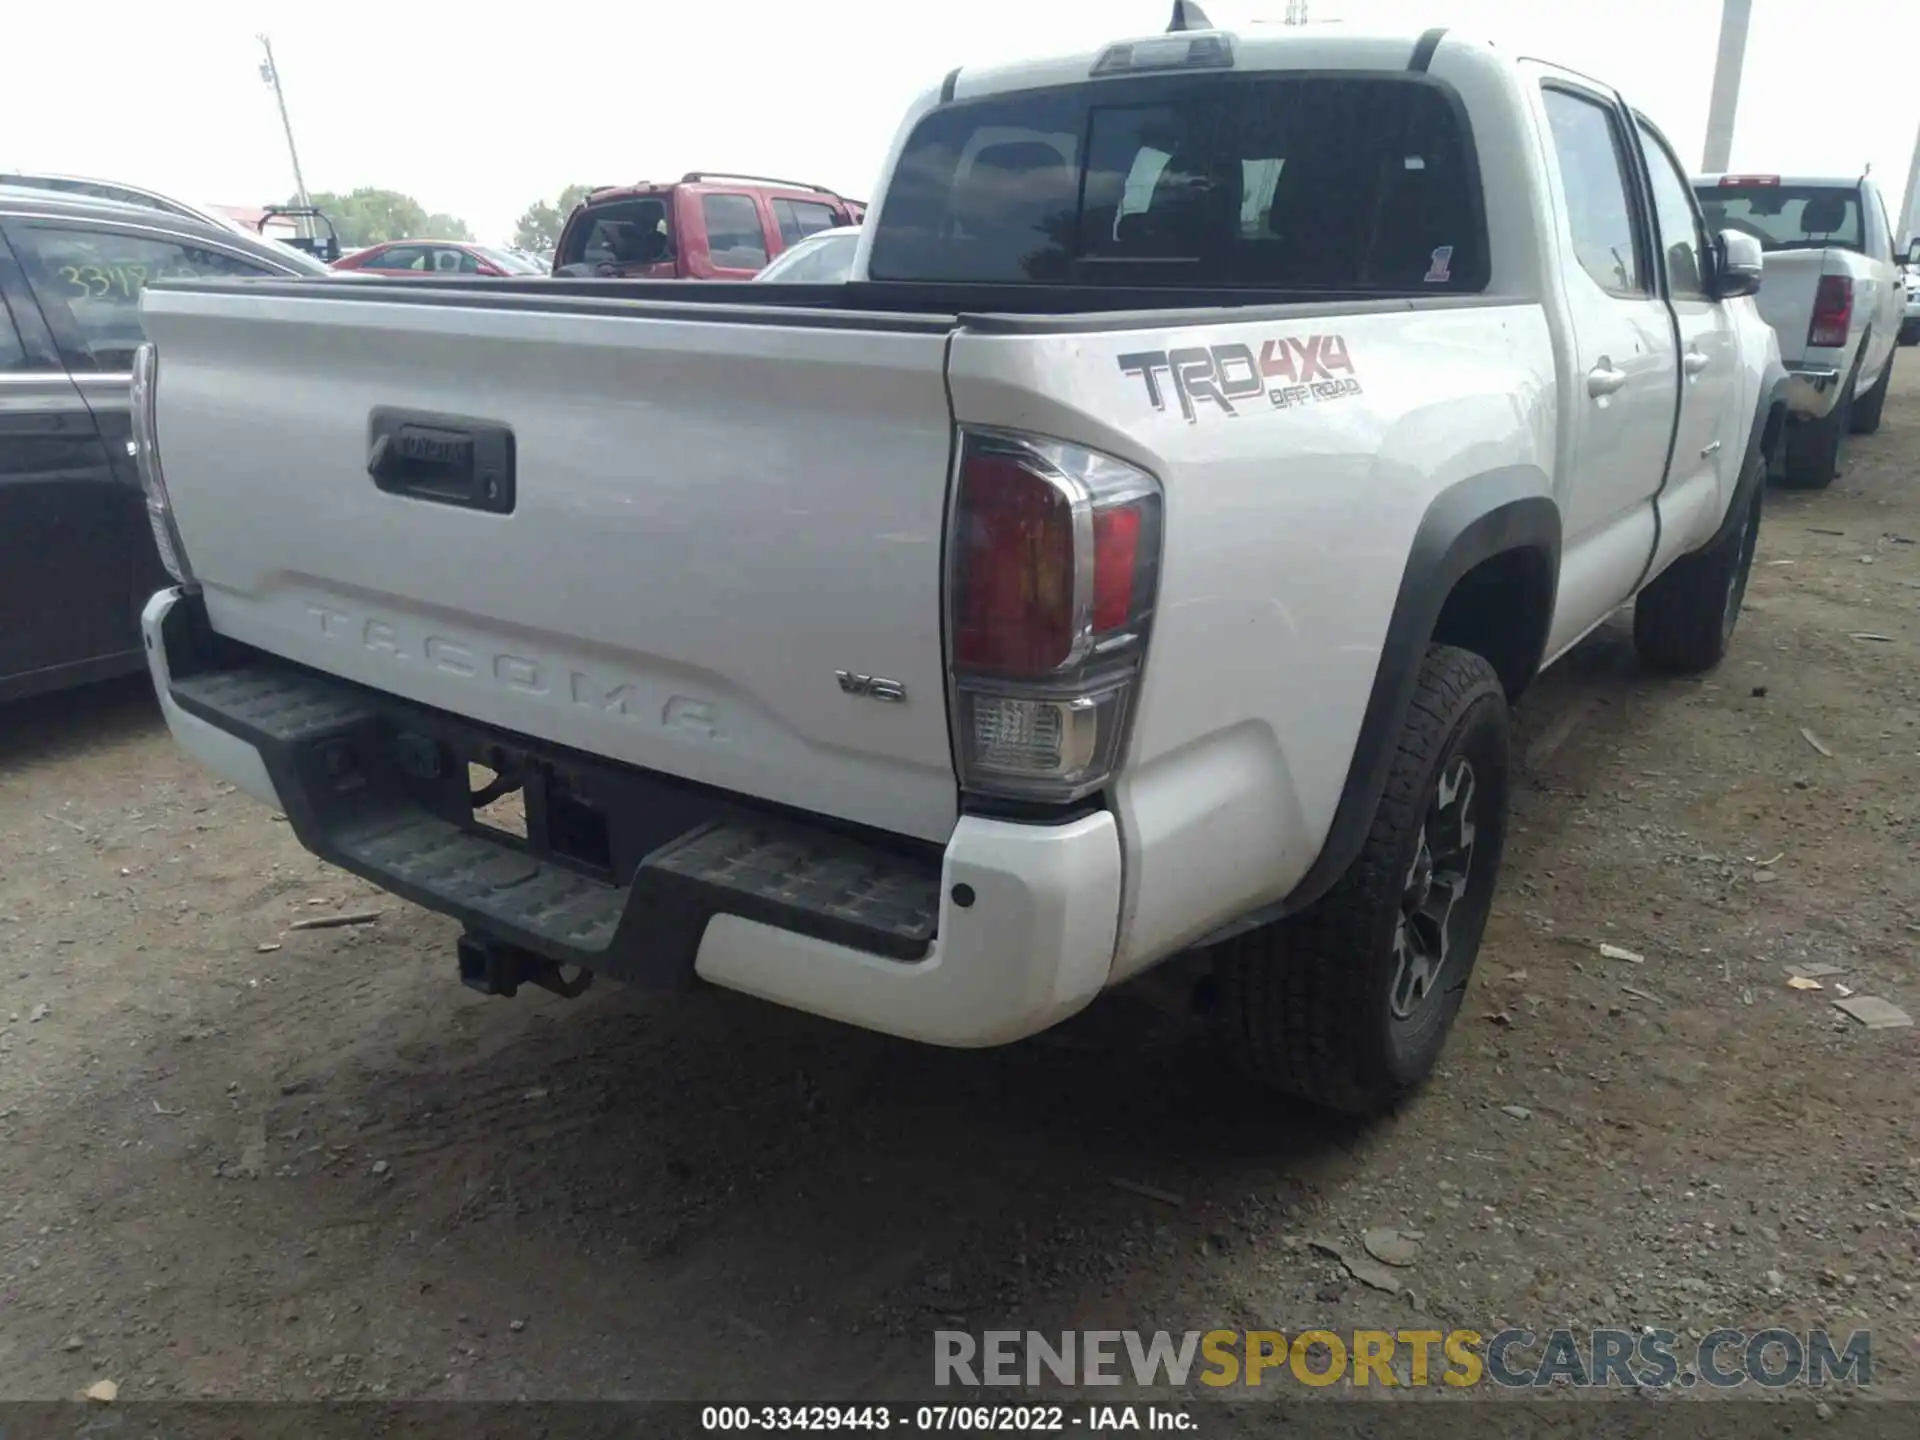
(1683, 622)
(1814, 447)
(1348, 1003)
(1866, 410)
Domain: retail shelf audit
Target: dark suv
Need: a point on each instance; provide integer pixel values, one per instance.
(704, 226)
(77, 556)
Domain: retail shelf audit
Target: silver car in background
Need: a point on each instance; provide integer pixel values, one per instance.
(823, 258)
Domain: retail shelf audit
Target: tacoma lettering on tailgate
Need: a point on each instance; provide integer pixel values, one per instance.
(517, 673)
(1291, 371)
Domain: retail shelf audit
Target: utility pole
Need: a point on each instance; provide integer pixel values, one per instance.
(270, 73)
(1909, 221)
(1734, 15)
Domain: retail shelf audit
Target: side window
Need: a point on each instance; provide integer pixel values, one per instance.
(403, 257)
(798, 219)
(734, 239)
(88, 283)
(13, 354)
(1682, 244)
(1593, 170)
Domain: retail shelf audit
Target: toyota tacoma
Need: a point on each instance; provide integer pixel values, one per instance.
(1139, 556)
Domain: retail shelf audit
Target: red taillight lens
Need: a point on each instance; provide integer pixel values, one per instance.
(1832, 312)
(1055, 555)
(1014, 570)
(1116, 560)
(1048, 554)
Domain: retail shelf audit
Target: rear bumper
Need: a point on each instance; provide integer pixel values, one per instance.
(1008, 930)
(1812, 389)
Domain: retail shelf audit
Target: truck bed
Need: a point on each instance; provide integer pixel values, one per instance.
(858, 303)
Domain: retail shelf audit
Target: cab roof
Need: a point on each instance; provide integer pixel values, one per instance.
(62, 205)
(1294, 48)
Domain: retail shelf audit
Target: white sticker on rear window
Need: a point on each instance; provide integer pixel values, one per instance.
(1440, 271)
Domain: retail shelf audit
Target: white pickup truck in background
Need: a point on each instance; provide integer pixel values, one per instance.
(1910, 325)
(1139, 555)
(1834, 294)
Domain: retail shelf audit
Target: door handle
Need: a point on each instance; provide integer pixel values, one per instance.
(1604, 380)
(1695, 361)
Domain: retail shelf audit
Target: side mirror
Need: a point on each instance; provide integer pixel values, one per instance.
(1741, 264)
(1913, 252)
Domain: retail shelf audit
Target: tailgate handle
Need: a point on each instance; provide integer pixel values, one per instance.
(445, 459)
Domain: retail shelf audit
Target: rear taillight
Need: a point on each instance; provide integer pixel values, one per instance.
(1832, 312)
(146, 459)
(1054, 556)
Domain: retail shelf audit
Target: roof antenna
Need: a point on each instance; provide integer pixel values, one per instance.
(1188, 16)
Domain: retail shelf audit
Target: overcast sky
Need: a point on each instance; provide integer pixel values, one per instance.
(480, 108)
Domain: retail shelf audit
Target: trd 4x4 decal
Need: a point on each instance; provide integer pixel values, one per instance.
(1293, 371)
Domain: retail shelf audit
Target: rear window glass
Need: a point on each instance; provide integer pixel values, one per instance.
(1786, 217)
(621, 232)
(1361, 183)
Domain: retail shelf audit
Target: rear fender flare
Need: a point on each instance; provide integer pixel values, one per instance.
(1769, 426)
(1492, 513)
(1473, 520)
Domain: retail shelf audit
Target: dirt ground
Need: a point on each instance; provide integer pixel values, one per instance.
(240, 1161)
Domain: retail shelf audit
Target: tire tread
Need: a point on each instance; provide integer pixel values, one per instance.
(1865, 419)
(1678, 619)
(1293, 992)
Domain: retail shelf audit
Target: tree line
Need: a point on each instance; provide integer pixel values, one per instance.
(369, 215)
(538, 228)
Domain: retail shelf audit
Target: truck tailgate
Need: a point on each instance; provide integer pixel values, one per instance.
(711, 518)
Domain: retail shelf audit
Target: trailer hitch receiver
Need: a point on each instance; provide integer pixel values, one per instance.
(493, 967)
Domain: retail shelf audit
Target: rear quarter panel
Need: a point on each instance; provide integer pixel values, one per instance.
(1786, 303)
(1289, 522)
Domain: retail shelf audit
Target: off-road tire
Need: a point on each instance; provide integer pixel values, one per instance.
(1866, 410)
(1683, 622)
(1305, 1004)
(1814, 448)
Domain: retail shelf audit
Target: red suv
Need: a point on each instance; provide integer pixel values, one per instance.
(702, 227)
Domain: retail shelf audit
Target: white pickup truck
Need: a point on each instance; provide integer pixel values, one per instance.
(1139, 555)
(1910, 321)
(1834, 295)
